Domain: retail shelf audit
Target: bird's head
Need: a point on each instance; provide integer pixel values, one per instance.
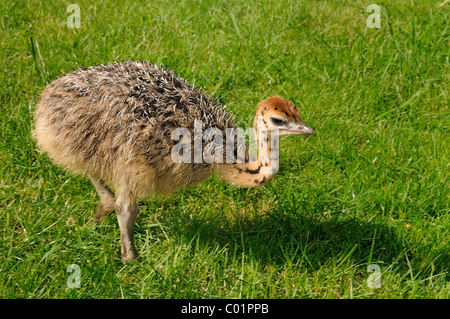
(278, 113)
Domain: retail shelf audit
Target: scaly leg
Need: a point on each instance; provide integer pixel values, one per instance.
(127, 211)
(107, 200)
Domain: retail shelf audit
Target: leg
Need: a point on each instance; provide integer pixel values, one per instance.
(127, 211)
(106, 199)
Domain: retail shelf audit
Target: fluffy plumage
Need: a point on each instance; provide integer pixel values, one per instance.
(118, 118)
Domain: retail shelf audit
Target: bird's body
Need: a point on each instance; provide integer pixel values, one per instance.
(115, 124)
(115, 121)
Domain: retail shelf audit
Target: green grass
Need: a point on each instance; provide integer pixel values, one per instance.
(370, 187)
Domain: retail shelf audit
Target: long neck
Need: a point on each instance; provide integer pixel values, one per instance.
(257, 172)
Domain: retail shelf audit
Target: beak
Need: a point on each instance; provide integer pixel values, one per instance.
(298, 128)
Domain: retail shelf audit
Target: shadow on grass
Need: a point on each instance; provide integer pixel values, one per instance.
(279, 239)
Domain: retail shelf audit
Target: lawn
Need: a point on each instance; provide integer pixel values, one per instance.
(368, 191)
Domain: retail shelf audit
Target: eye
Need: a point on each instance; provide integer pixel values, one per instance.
(277, 121)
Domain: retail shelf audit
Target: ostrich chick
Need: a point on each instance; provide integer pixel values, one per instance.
(115, 123)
